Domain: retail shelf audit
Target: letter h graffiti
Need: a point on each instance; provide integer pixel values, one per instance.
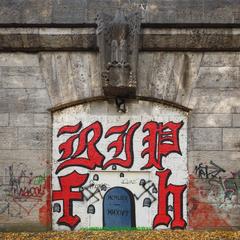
(164, 190)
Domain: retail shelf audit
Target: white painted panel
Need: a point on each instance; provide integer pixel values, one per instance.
(129, 178)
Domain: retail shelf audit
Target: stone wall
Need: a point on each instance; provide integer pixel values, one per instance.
(207, 83)
(153, 11)
(25, 143)
(49, 60)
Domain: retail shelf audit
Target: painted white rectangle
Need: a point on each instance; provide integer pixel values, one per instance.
(124, 160)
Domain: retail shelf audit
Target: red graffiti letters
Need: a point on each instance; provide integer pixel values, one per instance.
(119, 145)
(162, 140)
(69, 129)
(79, 149)
(162, 217)
(94, 157)
(66, 195)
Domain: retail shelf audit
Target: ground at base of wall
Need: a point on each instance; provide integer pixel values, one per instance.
(141, 235)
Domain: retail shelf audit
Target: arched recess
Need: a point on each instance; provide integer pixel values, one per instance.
(97, 147)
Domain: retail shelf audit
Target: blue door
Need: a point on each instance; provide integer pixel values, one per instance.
(118, 208)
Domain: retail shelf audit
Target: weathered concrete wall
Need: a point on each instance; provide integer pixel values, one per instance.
(57, 73)
(208, 83)
(25, 143)
(162, 38)
(153, 11)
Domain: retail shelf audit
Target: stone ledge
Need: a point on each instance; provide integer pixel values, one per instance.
(35, 39)
(195, 39)
(153, 11)
(47, 39)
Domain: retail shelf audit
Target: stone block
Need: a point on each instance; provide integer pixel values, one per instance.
(43, 38)
(236, 120)
(21, 77)
(220, 59)
(20, 226)
(227, 160)
(4, 106)
(188, 76)
(70, 76)
(206, 139)
(215, 191)
(160, 72)
(8, 138)
(18, 60)
(84, 38)
(34, 11)
(210, 120)
(69, 13)
(11, 41)
(47, 66)
(144, 63)
(60, 37)
(178, 39)
(35, 157)
(4, 119)
(35, 161)
(154, 11)
(218, 77)
(10, 37)
(9, 11)
(189, 11)
(34, 171)
(21, 210)
(21, 119)
(33, 138)
(28, 100)
(63, 72)
(231, 139)
(85, 74)
(220, 100)
(29, 11)
(204, 216)
(169, 76)
(214, 9)
(42, 119)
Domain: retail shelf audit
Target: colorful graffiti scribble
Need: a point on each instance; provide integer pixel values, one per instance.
(22, 192)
